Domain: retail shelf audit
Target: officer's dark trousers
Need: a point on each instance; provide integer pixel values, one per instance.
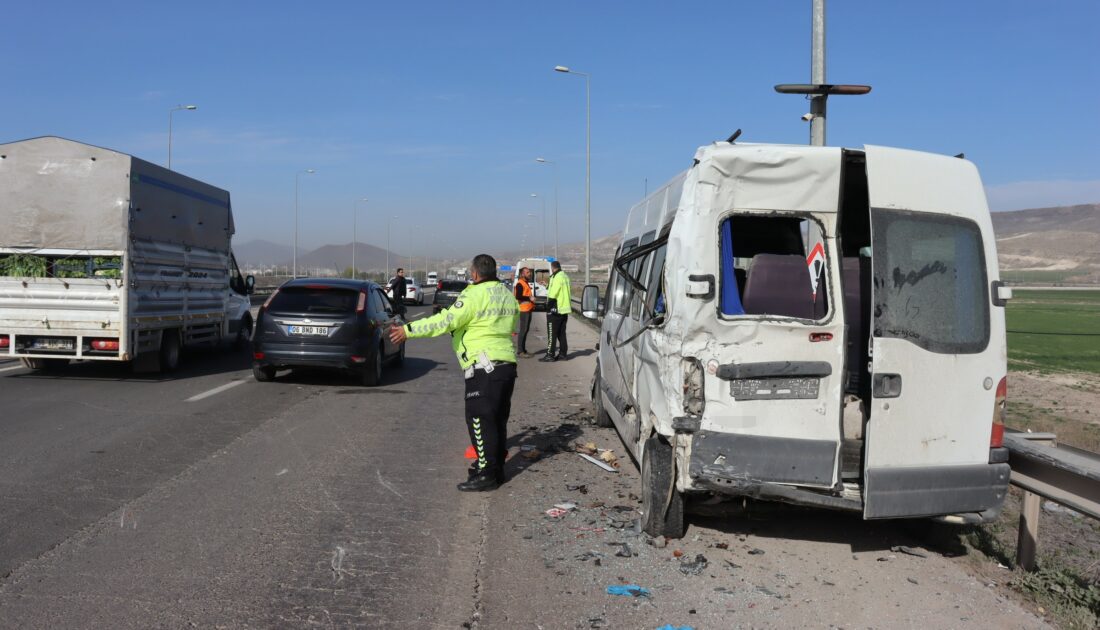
(524, 328)
(555, 335)
(488, 403)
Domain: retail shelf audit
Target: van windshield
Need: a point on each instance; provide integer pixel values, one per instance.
(930, 281)
(772, 265)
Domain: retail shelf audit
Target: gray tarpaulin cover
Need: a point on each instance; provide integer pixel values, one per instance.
(60, 194)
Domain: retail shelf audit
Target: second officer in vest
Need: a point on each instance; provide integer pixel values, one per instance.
(480, 322)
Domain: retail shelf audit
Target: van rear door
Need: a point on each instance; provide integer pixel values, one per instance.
(938, 348)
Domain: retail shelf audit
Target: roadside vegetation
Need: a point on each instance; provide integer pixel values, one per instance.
(1054, 331)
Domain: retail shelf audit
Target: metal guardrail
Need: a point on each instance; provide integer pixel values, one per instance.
(1043, 469)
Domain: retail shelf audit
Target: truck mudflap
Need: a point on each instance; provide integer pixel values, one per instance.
(934, 490)
(731, 457)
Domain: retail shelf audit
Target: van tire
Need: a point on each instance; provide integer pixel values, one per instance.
(599, 415)
(244, 333)
(169, 357)
(659, 490)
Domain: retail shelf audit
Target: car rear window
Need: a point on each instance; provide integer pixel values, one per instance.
(315, 300)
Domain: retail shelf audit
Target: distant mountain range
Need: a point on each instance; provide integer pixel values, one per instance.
(1042, 245)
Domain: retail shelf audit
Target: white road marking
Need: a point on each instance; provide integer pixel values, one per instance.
(216, 390)
(417, 316)
(9, 369)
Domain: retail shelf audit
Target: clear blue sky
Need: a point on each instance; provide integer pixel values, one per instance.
(435, 111)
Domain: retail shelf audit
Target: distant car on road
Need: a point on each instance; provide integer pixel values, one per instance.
(414, 293)
(329, 323)
(446, 293)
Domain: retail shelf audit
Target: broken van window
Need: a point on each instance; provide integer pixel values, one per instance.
(772, 265)
(930, 281)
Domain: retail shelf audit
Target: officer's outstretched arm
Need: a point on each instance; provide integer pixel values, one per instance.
(446, 321)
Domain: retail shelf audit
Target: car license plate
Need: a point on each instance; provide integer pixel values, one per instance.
(307, 330)
(53, 344)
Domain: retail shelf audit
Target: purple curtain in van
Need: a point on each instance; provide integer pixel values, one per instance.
(729, 294)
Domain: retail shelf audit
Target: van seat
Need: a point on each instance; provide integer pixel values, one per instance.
(779, 285)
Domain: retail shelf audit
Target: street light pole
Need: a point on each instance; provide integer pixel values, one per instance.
(587, 170)
(557, 256)
(308, 171)
(389, 221)
(355, 233)
(170, 112)
(543, 199)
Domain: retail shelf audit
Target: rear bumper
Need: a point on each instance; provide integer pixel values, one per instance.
(315, 355)
(935, 490)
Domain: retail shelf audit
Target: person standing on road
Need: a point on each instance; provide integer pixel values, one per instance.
(399, 287)
(526, 298)
(480, 322)
(559, 297)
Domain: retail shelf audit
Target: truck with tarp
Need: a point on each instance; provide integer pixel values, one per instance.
(107, 257)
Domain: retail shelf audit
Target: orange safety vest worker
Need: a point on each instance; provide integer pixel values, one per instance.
(525, 296)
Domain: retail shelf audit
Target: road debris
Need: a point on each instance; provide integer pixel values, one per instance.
(628, 590)
(756, 551)
(912, 551)
(694, 567)
(624, 550)
(604, 465)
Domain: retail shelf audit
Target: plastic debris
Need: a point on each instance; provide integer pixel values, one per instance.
(756, 552)
(604, 465)
(909, 551)
(694, 567)
(579, 487)
(568, 507)
(624, 549)
(555, 512)
(669, 626)
(627, 590)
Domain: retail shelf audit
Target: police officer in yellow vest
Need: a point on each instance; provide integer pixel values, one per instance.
(558, 306)
(480, 322)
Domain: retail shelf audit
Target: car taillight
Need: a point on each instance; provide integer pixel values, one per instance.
(5, 341)
(997, 436)
(439, 286)
(259, 356)
(105, 344)
(361, 307)
(268, 300)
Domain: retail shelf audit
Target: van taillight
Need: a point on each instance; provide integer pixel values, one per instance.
(5, 341)
(997, 437)
(268, 300)
(104, 344)
(361, 307)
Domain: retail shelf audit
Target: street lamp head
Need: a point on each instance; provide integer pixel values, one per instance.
(561, 69)
(534, 195)
(540, 160)
(310, 171)
(190, 106)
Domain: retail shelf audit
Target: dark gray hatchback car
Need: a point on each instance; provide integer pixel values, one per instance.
(329, 323)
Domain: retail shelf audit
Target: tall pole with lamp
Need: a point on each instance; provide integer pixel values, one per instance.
(308, 171)
(354, 234)
(170, 112)
(587, 170)
(557, 255)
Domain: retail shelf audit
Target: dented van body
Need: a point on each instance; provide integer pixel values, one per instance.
(814, 325)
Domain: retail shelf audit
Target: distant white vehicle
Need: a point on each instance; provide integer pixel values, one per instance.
(433, 278)
(414, 293)
(541, 269)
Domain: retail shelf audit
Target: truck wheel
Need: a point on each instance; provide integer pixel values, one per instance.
(169, 351)
(263, 373)
(599, 414)
(662, 504)
(372, 374)
(244, 333)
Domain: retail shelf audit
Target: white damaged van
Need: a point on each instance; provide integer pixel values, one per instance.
(814, 325)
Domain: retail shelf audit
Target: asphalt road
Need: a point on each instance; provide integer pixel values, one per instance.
(210, 500)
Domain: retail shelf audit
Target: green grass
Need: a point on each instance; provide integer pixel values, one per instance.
(1068, 318)
(1053, 276)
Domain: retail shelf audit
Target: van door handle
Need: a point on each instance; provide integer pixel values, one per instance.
(886, 385)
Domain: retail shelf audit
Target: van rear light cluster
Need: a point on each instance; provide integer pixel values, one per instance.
(997, 436)
(105, 344)
(5, 341)
(694, 399)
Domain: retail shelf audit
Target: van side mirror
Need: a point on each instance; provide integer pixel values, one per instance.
(249, 285)
(590, 301)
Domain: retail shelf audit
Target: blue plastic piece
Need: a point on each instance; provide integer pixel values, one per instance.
(730, 298)
(627, 590)
(669, 626)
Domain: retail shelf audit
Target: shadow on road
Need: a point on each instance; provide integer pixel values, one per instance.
(413, 368)
(194, 363)
(541, 443)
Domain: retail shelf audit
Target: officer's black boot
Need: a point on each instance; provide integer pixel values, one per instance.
(484, 480)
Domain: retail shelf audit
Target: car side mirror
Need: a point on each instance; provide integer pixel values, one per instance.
(590, 301)
(249, 285)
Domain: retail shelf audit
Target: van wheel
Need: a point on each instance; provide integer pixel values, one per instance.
(169, 351)
(599, 414)
(662, 504)
(244, 333)
(372, 374)
(263, 373)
